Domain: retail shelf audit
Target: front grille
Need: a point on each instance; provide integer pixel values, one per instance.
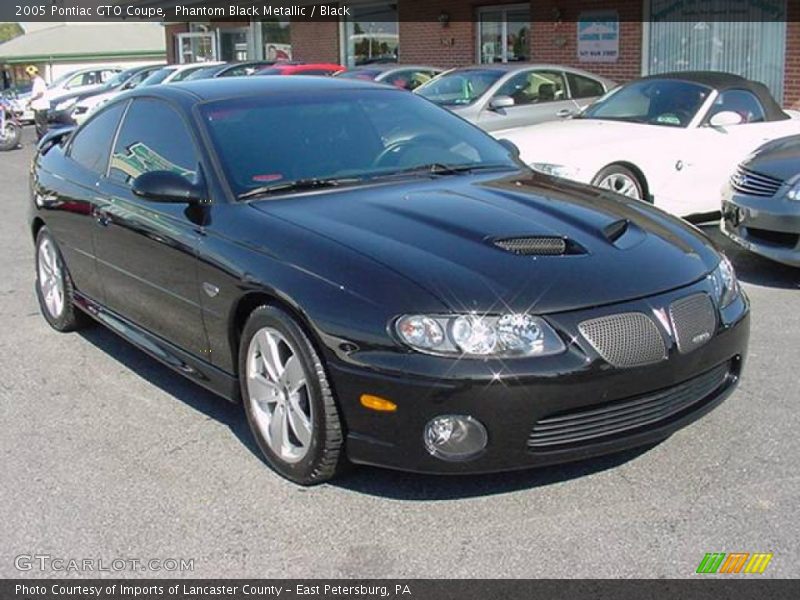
(694, 321)
(753, 183)
(533, 246)
(623, 416)
(626, 339)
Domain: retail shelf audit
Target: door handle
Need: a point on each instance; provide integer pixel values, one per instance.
(565, 112)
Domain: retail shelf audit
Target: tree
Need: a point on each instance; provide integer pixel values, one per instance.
(9, 31)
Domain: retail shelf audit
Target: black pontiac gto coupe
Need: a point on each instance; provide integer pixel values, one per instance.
(379, 281)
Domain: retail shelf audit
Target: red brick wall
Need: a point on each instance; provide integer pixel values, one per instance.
(171, 31)
(557, 42)
(315, 41)
(791, 91)
(423, 40)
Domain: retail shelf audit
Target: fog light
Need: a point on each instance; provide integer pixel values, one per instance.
(454, 437)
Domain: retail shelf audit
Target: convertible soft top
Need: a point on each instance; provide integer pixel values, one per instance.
(728, 81)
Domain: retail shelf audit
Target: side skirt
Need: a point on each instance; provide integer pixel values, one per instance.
(210, 377)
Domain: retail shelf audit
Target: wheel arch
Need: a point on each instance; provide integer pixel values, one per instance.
(36, 226)
(252, 300)
(637, 171)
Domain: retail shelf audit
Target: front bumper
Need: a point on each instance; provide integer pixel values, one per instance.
(509, 398)
(769, 227)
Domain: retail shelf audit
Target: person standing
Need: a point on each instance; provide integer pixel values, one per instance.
(38, 102)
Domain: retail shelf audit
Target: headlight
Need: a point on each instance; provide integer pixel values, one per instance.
(726, 286)
(567, 172)
(794, 192)
(66, 104)
(473, 335)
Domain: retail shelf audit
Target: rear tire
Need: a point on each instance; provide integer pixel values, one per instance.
(54, 289)
(621, 180)
(288, 400)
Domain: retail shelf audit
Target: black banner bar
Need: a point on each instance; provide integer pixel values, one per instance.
(407, 10)
(702, 588)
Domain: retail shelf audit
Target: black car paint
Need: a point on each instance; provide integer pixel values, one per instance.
(347, 262)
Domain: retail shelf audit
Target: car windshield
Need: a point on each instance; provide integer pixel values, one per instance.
(665, 102)
(157, 77)
(460, 88)
(119, 78)
(279, 140)
(62, 78)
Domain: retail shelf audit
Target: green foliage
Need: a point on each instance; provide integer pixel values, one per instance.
(9, 31)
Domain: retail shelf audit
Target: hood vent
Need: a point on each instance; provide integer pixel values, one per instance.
(615, 230)
(534, 245)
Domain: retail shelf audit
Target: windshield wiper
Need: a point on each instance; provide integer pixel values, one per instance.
(442, 169)
(297, 185)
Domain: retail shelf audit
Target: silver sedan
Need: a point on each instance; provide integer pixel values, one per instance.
(761, 204)
(500, 96)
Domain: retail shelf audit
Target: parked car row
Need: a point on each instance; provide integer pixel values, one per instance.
(672, 140)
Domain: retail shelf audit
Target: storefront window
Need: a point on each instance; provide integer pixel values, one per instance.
(750, 42)
(371, 34)
(199, 45)
(276, 40)
(233, 44)
(503, 33)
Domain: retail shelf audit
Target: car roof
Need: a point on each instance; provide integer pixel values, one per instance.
(722, 81)
(241, 87)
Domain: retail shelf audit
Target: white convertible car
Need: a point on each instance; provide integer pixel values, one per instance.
(670, 139)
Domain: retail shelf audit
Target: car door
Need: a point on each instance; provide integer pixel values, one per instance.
(70, 199)
(146, 250)
(539, 95)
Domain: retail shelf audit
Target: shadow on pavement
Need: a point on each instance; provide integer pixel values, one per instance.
(365, 480)
(753, 268)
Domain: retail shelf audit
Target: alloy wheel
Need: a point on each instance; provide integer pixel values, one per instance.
(621, 184)
(278, 393)
(51, 278)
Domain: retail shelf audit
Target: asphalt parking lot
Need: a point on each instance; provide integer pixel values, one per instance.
(106, 454)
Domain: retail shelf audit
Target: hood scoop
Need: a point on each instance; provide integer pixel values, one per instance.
(538, 245)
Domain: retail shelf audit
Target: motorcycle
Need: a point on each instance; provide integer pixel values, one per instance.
(10, 126)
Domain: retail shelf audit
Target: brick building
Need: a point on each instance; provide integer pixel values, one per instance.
(759, 39)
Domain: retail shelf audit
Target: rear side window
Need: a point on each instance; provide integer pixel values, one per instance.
(742, 102)
(92, 144)
(153, 137)
(583, 87)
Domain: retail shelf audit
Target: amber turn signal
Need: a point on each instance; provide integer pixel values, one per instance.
(377, 403)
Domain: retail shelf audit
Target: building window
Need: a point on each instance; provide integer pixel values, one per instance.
(276, 40)
(504, 33)
(371, 35)
(199, 45)
(751, 44)
(234, 44)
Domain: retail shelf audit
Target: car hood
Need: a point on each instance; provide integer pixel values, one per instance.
(572, 137)
(441, 235)
(778, 158)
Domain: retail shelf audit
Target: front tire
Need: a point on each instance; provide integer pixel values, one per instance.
(621, 180)
(54, 289)
(288, 400)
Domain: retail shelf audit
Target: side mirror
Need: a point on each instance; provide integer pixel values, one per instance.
(512, 147)
(167, 186)
(726, 118)
(501, 102)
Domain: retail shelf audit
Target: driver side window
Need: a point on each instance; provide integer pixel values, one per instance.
(534, 87)
(742, 102)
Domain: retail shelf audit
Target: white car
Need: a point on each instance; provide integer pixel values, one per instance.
(176, 73)
(670, 139)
